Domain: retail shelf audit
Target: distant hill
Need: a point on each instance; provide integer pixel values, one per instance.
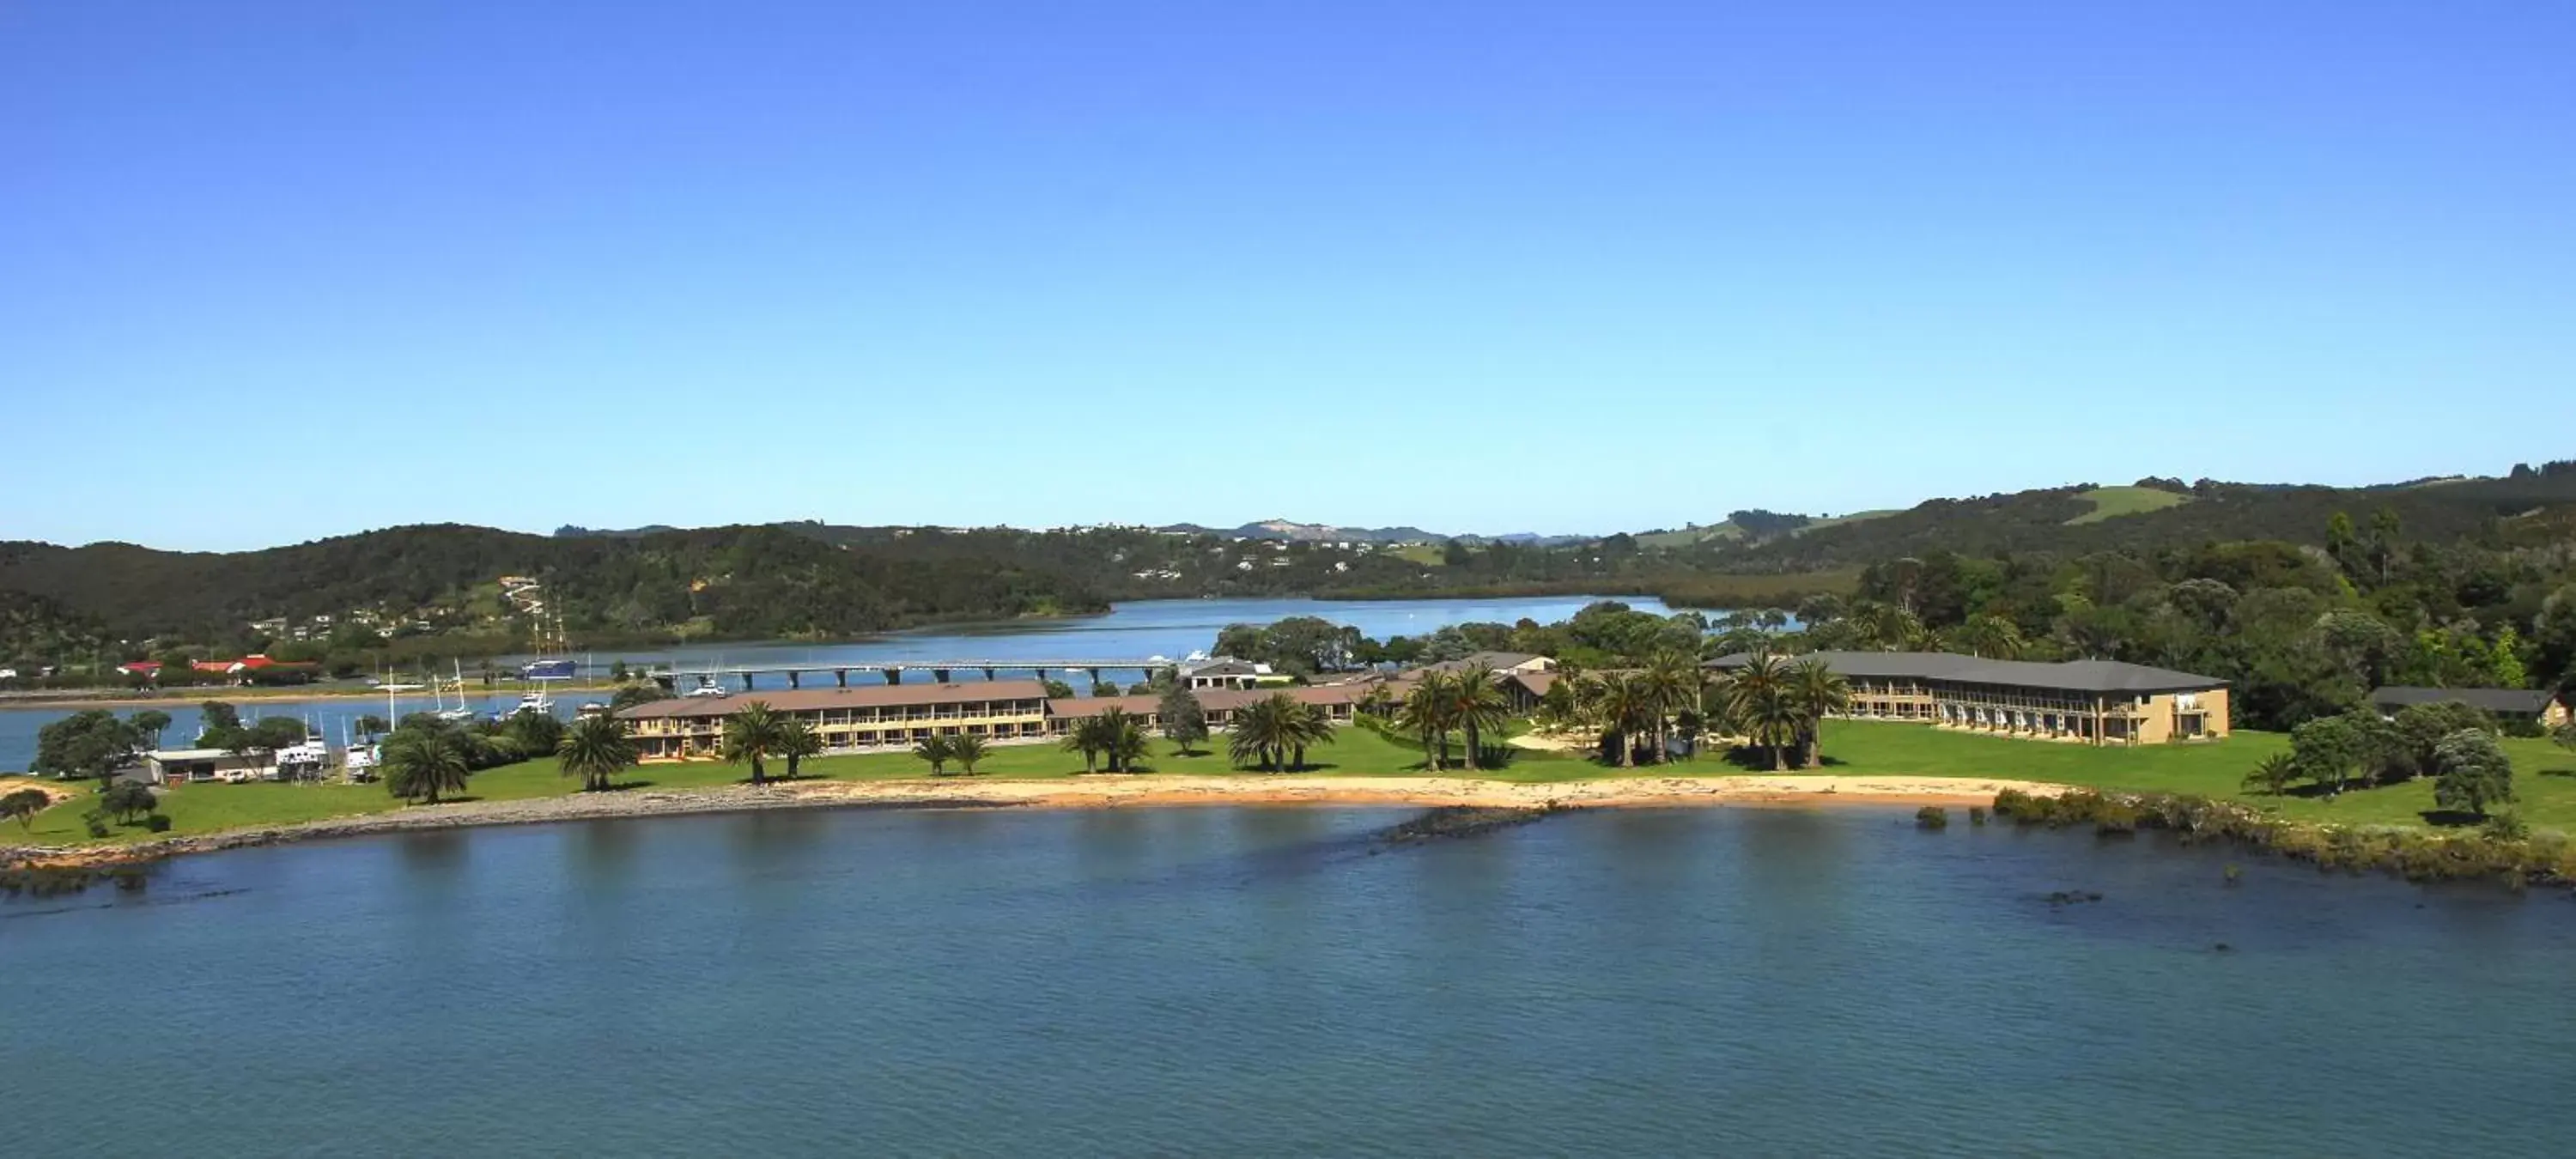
(1295, 532)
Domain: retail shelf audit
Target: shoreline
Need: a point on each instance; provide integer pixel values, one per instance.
(1091, 791)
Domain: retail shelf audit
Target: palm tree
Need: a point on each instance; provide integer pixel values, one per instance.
(1621, 704)
(936, 749)
(1305, 726)
(421, 763)
(368, 726)
(2274, 774)
(966, 748)
(1993, 637)
(1123, 740)
(797, 740)
(1085, 738)
(1762, 704)
(1672, 681)
(1254, 736)
(1477, 706)
(1818, 693)
(596, 749)
(754, 734)
(1426, 714)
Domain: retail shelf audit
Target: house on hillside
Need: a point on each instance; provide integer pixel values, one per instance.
(2505, 704)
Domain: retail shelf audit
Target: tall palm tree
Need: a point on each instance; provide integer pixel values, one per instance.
(421, 763)
(1306, 726)
(1763, 706)
(937, 750)
(1818, 693)
(966, 748)
(1621, 705)
(754, 734)
(596, 749)
(797, 740)
(1672, 682)
(1085, 737)
(1121, 737)
(1426, 714)
(1124, 740)
(1993, 637)
(1478, 706)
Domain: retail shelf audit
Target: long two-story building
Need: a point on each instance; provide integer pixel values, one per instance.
(870, 716)
(2100, 702)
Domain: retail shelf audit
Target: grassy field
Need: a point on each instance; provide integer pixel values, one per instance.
(2113, 502)
(2544, 773)
(2544, 777)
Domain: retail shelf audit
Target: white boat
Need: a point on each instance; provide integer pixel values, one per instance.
(460, 712)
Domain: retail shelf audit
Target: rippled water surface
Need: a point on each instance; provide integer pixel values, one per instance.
(1269, 981)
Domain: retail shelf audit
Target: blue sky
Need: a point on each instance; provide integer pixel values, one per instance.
(273, 271)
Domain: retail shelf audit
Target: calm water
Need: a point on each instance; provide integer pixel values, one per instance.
(1169, 628)
(1245, 981)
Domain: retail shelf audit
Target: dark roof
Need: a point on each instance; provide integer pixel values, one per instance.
(2500, 701)
(2069, 676)
(1226, 668)
(1210, 699)
(863, 696)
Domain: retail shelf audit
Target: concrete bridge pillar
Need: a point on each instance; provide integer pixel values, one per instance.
(894, 675)
(988, 675)
(842, 675)
(746, 682)
(793, 679)
(939, 674)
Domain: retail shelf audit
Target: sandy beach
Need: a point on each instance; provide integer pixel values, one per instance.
(1093, 792)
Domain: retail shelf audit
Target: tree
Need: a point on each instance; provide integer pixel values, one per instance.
(1103, 689)
(2328, 750)
(1257, 735)
(966, 748)
(1426, 714)
(23, 805)
(1084, 736)
(2474, 772)
(1818, 693)
(1993, 637)
(1478, 707)
(536, 731)
(421, 763)
(1057, 689)
(935, 749)
(126, 800)
(1119, 735)
(88, 743)
(274, 732)
(2419, 730)
(371, 726)
(216, 716)
(1764, 704)
(752, 735)
(152, 721)
(1306, 727)
(2273, 774)
(1621, 704)
(1671, 684)
(1184, 718)
(596, 749)
(797, 740)
(632, 696)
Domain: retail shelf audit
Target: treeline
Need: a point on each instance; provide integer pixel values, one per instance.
(735, 582)
(2523, 507)
(2299, 632)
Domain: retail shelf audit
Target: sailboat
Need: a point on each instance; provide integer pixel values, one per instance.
(460, 713)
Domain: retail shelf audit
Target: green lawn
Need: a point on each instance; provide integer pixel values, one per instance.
(2113, 502)
(2544, 776)
(2544, 773)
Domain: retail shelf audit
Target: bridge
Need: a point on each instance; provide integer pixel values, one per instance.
(892, 671)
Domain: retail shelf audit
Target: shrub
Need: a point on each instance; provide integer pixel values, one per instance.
(157, 822)
(1976, 814)
(1932, 817)
(2506, 826)
(96, 822)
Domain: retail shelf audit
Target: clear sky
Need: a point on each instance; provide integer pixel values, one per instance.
(271, 271)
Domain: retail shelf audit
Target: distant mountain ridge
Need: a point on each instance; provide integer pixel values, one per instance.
(1295, 532)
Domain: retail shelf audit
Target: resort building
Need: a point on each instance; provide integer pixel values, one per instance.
(2099, 702)
(876, 716)
(1339, 702)
(1225, 672)
(2505, 704)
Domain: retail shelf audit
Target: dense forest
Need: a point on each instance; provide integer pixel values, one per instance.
(2460, 568)
(742, 582)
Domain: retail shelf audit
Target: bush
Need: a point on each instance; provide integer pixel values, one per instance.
(96, 822)
(1932, 817)
(1976, 814)
(157, 822)
(2506, 826)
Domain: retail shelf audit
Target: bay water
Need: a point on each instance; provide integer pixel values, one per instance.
(1277, 981)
